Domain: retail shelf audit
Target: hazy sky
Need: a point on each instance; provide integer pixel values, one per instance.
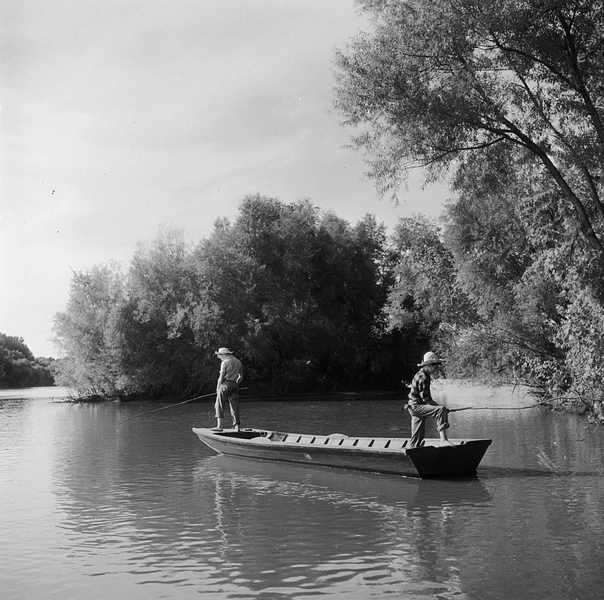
(120, 116)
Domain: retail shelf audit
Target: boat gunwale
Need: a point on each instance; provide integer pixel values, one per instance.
(230, 437)
(410, 462)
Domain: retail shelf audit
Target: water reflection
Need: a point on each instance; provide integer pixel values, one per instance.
(270, 515)
(163, 515)
(92, 509)
(347, 486)
(167, 515)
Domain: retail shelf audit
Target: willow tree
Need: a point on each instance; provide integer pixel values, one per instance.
(166, 323)
(86, 331)
(446, 84)
(298, 292)
(147, 332)
(425, 291)
(437, 80)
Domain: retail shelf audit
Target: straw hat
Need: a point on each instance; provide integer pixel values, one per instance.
(430, 358)
(223, 351)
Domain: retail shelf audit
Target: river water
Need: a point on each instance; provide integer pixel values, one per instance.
(96, 507)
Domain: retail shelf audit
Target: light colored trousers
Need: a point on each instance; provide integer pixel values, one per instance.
(419, 413)
(228, 394)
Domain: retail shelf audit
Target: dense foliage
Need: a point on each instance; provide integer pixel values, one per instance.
(507, 98)
(18, 366)
(502, 98)
(297, 294)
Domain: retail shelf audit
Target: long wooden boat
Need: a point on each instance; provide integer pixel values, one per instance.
(382, 455)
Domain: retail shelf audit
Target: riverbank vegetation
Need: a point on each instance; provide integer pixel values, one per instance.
(503, 99)
(297, 294)
(18, 366)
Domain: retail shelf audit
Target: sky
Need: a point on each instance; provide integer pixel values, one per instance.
(120, 117)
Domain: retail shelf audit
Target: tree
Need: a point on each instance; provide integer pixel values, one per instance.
(425, 304)
(348, 290)
(510, 259)
(459, 87)
(18, 366)
(519, 260)
(425, 290)
(148, 332)
(437, 80)
(86, 331)
(299, 292)
(166, 321)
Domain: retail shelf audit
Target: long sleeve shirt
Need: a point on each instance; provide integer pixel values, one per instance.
(419, 392)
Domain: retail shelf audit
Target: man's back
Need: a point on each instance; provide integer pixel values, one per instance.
(232, 369)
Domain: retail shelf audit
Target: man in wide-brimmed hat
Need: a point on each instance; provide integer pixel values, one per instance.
(421, 406)
(227, 388)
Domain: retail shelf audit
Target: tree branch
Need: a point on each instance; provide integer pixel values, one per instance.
(444, 153)
(581, 87)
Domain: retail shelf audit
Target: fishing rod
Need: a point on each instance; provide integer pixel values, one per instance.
(147, 412)
(497, 407)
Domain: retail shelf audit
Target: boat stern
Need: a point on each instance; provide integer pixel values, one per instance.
(461, 459)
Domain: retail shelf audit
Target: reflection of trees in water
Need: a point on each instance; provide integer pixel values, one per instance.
(281, 532)
(313, 525)
(438, 517)
(142, 502)
(124, 493)
(149, 504)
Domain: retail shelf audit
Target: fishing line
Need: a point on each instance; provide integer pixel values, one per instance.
(148, 412)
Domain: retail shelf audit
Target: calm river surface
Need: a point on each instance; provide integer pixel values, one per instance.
(94, 509)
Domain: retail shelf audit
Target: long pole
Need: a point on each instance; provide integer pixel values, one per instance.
(148, 412)
(497, 407)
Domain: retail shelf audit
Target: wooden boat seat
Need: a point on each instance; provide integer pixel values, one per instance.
(333, 440)
(398, 444)
(381, 444)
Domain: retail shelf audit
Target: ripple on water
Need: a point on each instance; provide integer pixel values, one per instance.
(147, 512)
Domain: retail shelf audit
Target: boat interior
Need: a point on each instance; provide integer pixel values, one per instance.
(334, 439)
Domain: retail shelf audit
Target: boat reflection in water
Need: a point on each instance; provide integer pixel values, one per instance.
(285, 527)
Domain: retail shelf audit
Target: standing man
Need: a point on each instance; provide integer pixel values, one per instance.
(421, 406)
(227, 388)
